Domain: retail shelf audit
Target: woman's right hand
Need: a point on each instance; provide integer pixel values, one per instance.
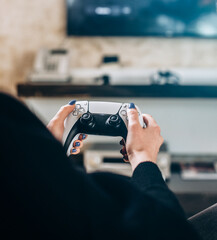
(142, 144)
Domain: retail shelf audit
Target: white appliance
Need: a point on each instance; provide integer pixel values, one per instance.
(107, 157)
(51, 65)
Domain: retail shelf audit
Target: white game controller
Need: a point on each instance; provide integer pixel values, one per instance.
(97, 118)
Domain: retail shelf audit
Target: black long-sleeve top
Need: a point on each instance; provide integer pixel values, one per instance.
(45, 197)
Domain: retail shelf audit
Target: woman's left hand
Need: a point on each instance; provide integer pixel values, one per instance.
(56, 126)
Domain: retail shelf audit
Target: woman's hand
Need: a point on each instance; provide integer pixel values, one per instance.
(56, 126)
(142, 144)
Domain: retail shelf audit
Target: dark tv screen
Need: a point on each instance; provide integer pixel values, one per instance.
(168, 18)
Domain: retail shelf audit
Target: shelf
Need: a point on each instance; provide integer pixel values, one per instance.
(135, 91)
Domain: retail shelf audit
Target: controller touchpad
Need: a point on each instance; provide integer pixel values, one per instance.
(110, 108)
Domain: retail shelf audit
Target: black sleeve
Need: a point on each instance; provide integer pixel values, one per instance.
(44, 197)
(148, 179)
(133, 210)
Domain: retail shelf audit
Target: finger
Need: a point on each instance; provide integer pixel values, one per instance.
(74, 151)
(78, 144)
(149, 120)
(82, 137)
(122, 142)
(64, 111)
(125, 158)
(162, 140)
(123, 151)
(132, 113)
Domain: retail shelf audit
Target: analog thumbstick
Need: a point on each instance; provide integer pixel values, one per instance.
(87, 119)
(114, 120)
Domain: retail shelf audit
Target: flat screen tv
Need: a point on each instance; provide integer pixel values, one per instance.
(167, 18)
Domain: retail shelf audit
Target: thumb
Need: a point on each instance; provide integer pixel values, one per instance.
(133, 116)
(64, 111)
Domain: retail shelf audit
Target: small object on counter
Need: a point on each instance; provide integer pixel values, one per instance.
(110, 62)
(103, 80)
(51, 66)
(110, 59)
(165, 77)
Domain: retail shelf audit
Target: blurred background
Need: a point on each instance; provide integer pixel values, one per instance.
(159, 54)
(27, 26)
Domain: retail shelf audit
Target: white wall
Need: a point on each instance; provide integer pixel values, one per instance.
(188, 125)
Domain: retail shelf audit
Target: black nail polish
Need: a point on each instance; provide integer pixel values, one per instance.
(132, 106)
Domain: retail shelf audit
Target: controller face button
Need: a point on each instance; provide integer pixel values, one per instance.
(124, 113)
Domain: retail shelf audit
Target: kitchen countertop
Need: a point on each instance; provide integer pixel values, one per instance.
(136, 91)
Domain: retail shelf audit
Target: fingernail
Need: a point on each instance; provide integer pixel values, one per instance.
(131, 106)
(72, 102)
(77, 144)
(74, 150)
(83, 136)
(121, 152)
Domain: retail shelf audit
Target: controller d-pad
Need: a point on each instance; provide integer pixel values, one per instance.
(81, 110)
(78, 110)
(75, 113)
(78, 106)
